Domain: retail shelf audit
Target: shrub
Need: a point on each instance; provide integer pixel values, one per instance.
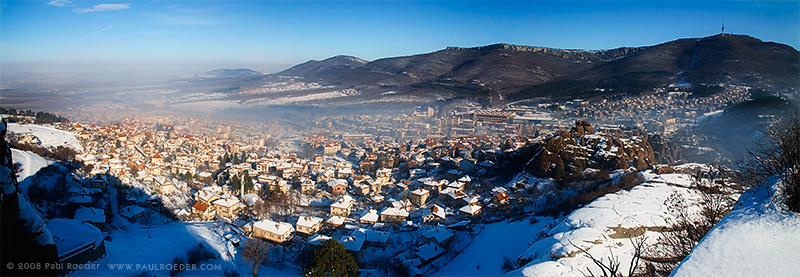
(685, 229)
(331, 259)
(508, 264)
(199, 253)
(780, 154)
(230, 273)
(176, 268)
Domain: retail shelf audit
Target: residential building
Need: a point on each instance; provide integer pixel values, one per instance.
(275, 231)
(308, 224)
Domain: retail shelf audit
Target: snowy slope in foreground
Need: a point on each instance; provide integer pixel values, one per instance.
(484, 256)
(49, 136)
(602, 226)
(29, 162)
(151, 249)
(758, 238)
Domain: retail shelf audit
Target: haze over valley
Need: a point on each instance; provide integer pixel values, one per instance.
(400, 138)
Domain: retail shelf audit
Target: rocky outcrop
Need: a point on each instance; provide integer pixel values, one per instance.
(664, 150)
(568, 154)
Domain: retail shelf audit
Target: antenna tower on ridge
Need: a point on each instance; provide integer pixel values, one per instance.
(723, 26)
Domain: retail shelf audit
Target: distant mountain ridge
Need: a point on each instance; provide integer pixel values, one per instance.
(238, 72)
(505, 72)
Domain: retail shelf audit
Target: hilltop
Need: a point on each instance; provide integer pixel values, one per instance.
(500, 73)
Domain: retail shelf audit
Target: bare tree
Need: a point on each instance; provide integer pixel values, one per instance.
(611, 266)
(639, 245)
(780, 154)
(255, 252)
(685, 229)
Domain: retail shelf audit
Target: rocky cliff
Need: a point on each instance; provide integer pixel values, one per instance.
(571, 153)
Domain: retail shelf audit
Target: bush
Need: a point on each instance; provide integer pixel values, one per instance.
(176, 268)
(508, 264)
(331, 259)
(230, 273)
(686, 228)
(780, 155)
(199, 253)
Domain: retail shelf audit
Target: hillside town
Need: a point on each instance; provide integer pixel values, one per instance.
(364, 189)
(366, 193)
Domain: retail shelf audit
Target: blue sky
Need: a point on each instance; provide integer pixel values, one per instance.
(273, 35)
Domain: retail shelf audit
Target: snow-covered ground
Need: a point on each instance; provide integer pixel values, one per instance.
(484, 256)
(758, 238)
(29, 162)
(138, 249)
(50, 137)
(602, 227)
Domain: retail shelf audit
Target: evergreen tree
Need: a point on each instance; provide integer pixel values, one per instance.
(226, 159)
(236, 184)
(248, 181)
(188, 177)
(222, 178)
(267, 192)
(331, 259)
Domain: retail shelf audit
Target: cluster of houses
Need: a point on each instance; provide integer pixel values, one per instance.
(362, 193)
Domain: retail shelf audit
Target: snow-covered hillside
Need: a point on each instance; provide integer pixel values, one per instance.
(604, 226)
(50, 137)
(29, 163)
(758, 238)
(498, 241)
(137, 249)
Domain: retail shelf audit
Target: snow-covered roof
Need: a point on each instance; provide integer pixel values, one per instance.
(91, 215)
(344, 202)
(335, 220)
(336, 182)
(465, 179)
(429, 250)
(317, 239)
(420, 191)
(376, 236)
(308, 221)
(392, 211)
(71, 234)
(131, 211)
(437, 211)
(80, 199)
(227, 202)
(353, 242)
(438, 234)
(470, 209)
(370, 216)
(279, 228)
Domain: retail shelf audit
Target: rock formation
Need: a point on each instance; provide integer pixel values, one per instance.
(570, 153)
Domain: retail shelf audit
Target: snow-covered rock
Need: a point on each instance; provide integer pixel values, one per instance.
(758, 238)
(604, 225)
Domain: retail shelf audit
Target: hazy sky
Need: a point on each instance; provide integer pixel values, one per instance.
(197, 36)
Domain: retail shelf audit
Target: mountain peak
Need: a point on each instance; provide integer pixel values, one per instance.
(516, 72)
(345, 59)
